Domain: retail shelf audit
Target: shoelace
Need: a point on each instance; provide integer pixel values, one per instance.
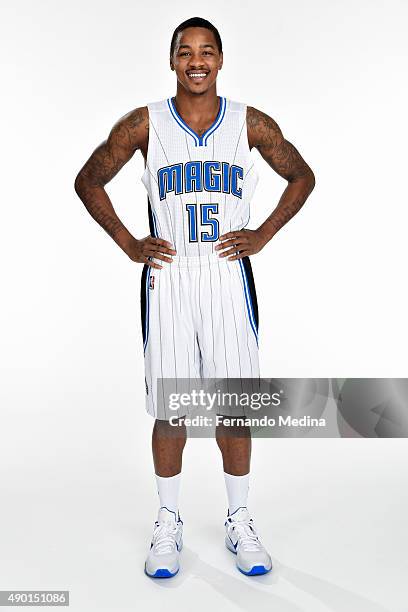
(164, 538)
(246, 535)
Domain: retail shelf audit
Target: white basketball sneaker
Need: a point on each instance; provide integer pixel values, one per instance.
(241, 539)
(163, 558)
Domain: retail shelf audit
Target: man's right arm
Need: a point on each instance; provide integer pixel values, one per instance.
(127, 135)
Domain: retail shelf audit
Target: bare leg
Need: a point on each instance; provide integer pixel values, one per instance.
(167, 445)
(235, 446)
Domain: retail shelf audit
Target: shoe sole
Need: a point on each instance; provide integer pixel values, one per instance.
(256, 570)
(162, 573)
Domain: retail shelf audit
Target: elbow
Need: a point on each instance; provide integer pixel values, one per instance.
(311, 180)
(81, 184)
(78, 184)
(305, 183)
(85, 182)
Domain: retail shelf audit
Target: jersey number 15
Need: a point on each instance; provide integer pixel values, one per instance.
(204, 218)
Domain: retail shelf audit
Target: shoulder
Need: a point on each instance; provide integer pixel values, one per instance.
(262, 129)
(158, 107)
(132, 128)
(135, 120)
(234, 106)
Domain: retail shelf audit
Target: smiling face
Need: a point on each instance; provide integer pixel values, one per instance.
(196, 59)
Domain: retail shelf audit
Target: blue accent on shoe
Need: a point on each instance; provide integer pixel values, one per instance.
(176, 516)
(257, 570)
(234, 545)
(161, 573)
(168, 510)
(235, 511)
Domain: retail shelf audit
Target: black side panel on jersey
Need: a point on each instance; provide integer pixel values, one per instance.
(248, 269)
(143, 300)
(151, 224)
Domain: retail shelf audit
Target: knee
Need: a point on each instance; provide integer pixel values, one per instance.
(164, 430)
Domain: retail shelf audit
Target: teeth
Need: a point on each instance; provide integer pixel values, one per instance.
(197, 74)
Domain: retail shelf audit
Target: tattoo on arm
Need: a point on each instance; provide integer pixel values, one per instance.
(123, 140)
(265, 135)
(284, 211)
(279, 153)
(126, 136)
(99, 206)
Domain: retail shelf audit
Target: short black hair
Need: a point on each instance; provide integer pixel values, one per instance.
(195, 22)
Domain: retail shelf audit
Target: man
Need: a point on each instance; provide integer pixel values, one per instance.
(199, 310)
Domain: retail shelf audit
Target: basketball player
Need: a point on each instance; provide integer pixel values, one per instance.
(199, 308)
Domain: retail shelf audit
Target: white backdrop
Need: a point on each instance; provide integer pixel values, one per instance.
(78, 497)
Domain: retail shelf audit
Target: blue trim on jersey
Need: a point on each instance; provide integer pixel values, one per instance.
(217, 122)
(156, 233)
(248, 301)
(199, 140)
(180, 121)
(147, 309)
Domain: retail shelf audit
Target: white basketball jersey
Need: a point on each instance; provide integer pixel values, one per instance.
(199, 187)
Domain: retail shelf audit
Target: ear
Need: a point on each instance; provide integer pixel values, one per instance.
(221, 61)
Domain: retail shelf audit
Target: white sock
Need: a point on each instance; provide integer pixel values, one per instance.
(168, 490)
(237, 491)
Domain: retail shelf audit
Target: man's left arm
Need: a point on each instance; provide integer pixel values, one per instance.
(265, 135)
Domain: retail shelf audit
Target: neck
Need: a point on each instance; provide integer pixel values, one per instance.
(193, 104)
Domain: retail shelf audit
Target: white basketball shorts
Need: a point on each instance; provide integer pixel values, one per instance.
(199, 320)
